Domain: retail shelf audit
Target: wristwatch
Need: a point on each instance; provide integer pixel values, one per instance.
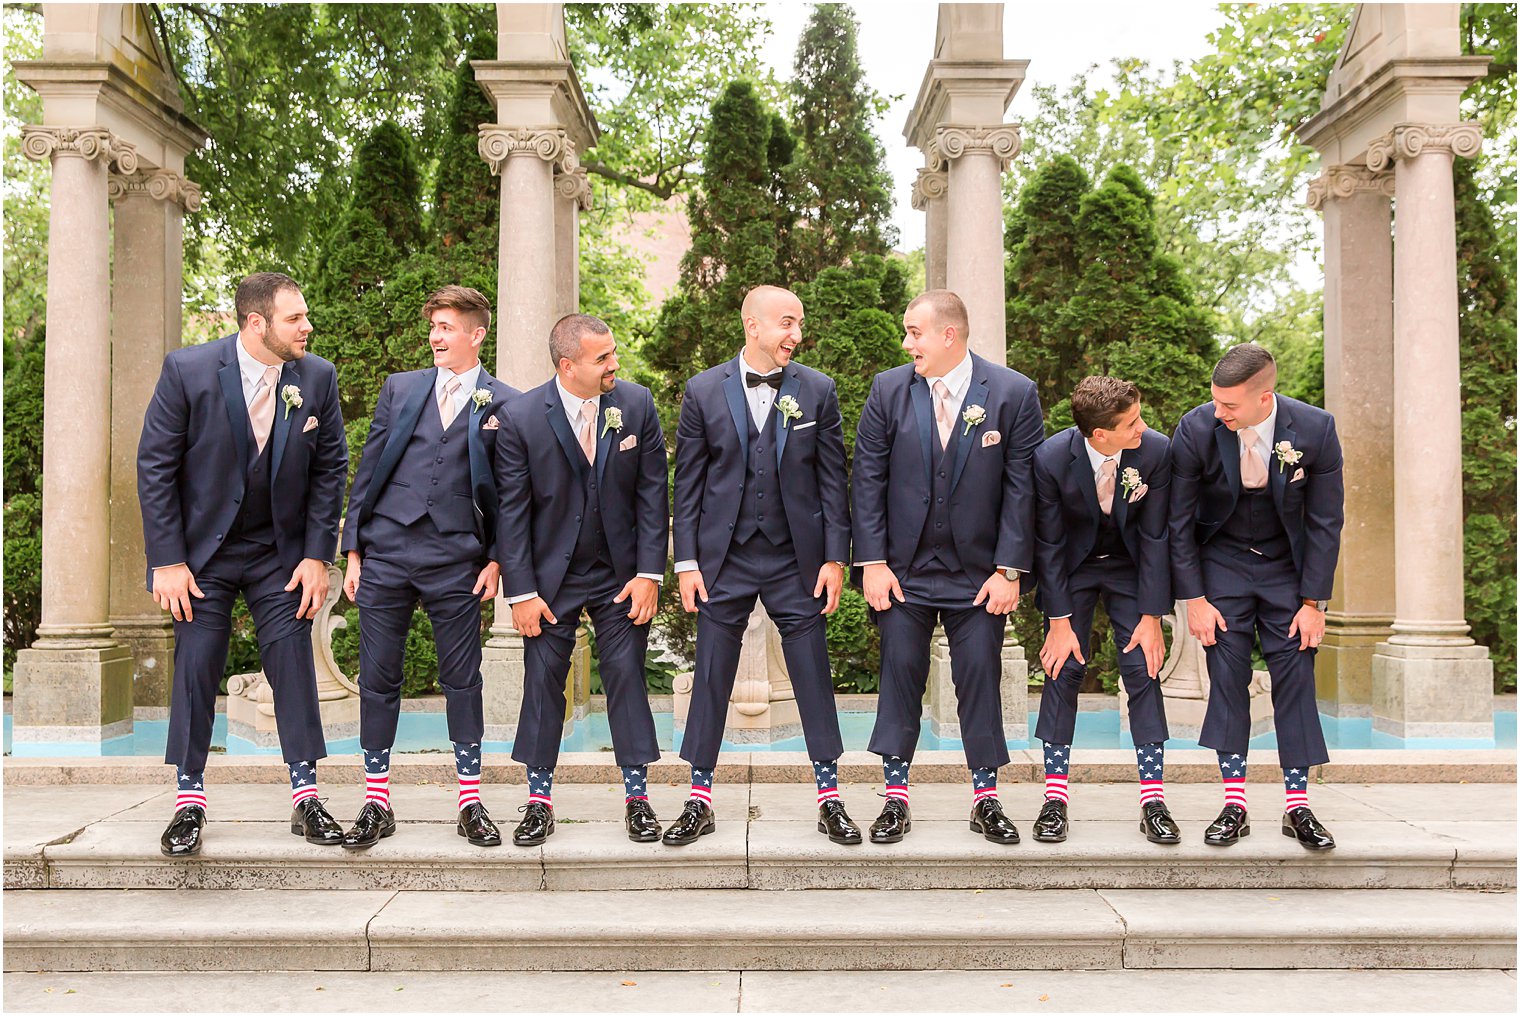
(1011, 574)
(1319, 605)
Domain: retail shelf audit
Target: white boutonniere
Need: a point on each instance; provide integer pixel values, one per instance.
(973, 417)
(291, 396)
(611, 420)
(789, 410)
(1287, 455)
(481, 397)
(1133, 485)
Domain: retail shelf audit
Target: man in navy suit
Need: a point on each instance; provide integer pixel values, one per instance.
(421, 525)
(585, 529)
(944, 502)
(1102, 487)
(761, 510)
(240, 473)
(1256, 514)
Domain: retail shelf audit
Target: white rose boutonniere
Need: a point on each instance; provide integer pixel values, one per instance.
(291, 396)
(1134, 486)
(973, 417)
(611, 420)
(481, 397)
(1287, 455)
(789, 410)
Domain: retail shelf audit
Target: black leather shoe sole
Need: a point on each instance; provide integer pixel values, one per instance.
(649, 837)
(1043, 837)
(536, 841)
(1155, 838)
(1305, 844)
(1229, 842)
(483, 841)
(894, 838)
(976, 827)
(384, 832)
(179, 853)
(299, 829)
(684, 840)
(848, 841)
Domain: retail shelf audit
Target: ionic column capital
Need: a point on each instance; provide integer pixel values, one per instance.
(929, 185)
(1346, 181)
(39, 143)
(1408, 140)
(1002, 141)
(551, 144)
(574, 186)
(160, 185)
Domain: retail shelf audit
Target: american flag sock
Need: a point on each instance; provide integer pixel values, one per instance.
(635, 783)
(983, 784)
(702, 784)
(1057, 763)
(192, 788)
(303, 781)
(894, 773)
(826, 776)
(1149, 759)
(467, 767)
(1232, 769)
(377, 777)
(540, 786)
(1296, 787)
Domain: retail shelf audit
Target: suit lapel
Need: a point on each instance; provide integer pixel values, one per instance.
(1277, 478)
(481, 477)
(1128, 457)
(237, 409)
(283, 420)
(789, 387)
(923, 412)
(738, 408)
(1087, 486)
(554, 408)
(1229, 456)
(976, 395)
(606, 436)
(402, 427)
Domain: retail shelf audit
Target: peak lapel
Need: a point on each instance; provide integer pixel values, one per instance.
(237, 409)
(283, 419)
(738, 408)
(606, 437)
(1229, 457)
(976, 395)
(923, 412)
(1087, 484)
(1277, 474)
(789, 387)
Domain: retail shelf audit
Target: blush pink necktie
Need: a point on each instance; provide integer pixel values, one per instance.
(942, 412)
(446, 402)
(261, 409)
(1106, 486)
(1253, 471)
(588, 429)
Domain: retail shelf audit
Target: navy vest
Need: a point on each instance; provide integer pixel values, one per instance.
(255, 519)
(591, 542)
(937, 543)
(1110, 543)
(433, 468)
(761, 510)
(1255, 525)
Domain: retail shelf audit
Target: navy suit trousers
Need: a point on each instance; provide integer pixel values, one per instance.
(200, 655)
(760, 568)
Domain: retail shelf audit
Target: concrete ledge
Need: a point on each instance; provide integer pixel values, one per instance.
(599, 855)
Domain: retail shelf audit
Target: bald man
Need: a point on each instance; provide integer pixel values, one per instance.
(761, 511)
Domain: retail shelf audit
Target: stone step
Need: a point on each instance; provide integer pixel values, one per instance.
(728, 929)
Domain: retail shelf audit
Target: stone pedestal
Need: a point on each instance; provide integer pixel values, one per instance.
(1433, 692)
(501, 668)
(940, 702)
(762, 708)
(71, 701)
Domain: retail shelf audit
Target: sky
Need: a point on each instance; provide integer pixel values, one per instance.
(1059, 40)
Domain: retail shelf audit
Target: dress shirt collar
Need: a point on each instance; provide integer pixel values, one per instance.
(956, 379)
(468, 381)
(572, 403)
(1097, 458)
(251, 369)
(1265, 431)
(745, 367)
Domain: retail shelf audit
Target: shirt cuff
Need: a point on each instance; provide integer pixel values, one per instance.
(685, 566)
(161, 567)
(1058, 617)
(525, 597)
(656, 579)
(862, 564)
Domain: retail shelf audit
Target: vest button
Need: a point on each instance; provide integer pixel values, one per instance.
(760, 518)
(939, 500)
(941, 476)
(926, 500)
(439, 460)
(430, 502)
(444, 440)
(760, 496)
(937, 525)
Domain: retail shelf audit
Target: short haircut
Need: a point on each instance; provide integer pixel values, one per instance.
(1244, 363)
(949, 310)
(758, 297)
(566, 335)
(255, 295)
(1098, 402)
(471, 304)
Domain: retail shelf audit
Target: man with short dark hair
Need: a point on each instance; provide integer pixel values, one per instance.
(1102, 516)
(585, 530)
(1256, 514)
(422, 526)
(240, 472)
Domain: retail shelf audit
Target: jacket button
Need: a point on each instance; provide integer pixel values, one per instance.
(926, 500)
(567, 557)
(760, 518)
(237, 500)
(430, 502)
(218, 536)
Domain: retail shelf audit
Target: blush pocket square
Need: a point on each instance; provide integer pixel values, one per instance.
(492, 423)
(1298, 474)
(991, 438)
(311, 424)
(631, 441)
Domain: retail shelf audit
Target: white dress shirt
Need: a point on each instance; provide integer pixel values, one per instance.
(1265, 430)
(467, 384)
(252, 371)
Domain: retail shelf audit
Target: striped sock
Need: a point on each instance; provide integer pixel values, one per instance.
(701, 785)
(467, 767)
(1232, 769)
(826, 776)
(540, 786)
(983, 784)
(1296, 787)
(635, 783)
(192, 788)
(303, 781)
(377, 776)
(894, 771)
(1149, 759)
(1057, 762)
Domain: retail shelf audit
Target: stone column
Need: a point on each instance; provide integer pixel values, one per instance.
(146, 294)
(572, 196)
(1356, 206)
(1429, 679)
(74, 685)
(977, 157)
(929, 197)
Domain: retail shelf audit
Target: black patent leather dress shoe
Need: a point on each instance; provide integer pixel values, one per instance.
(1301, 824)
(309, 819)
(536, 826)
(638, 817)
(988, 819)
(1051, 825)
(696, 819)
(182, 837)
(893, 823)
(476, 826)
(1157, 823)
(1228, 828)
(374, 824)
(834, 821)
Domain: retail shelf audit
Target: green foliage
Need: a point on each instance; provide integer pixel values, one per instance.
(854, 645)
(23, 570)
(419, 665)
(24, 365)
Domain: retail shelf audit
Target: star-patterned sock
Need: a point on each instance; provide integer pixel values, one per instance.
(192, 789)
(1296, 787)
(894, 773)
(826, 776)
(1057, 763)
(303, 781)
(467, 767)
(1232, 769)
(635, 783)
(540, 786)
(1149, 759)
(983, 784)
(701, 785)
(377, 776)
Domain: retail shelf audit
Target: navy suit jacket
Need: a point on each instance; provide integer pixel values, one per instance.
(404, 397)
(196, 446)
(1206, 486)
(1068, 518)
(993, 497)
(712, 453)
(542, 464)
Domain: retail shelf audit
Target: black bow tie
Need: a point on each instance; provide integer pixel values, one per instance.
(754, 380)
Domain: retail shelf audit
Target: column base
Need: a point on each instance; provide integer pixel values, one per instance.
(251, 716)
(1015, 690)
(151, 643)
(501, 670)
(940, 707)
(72, 702)
(1444, 692)
(1343, 664)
